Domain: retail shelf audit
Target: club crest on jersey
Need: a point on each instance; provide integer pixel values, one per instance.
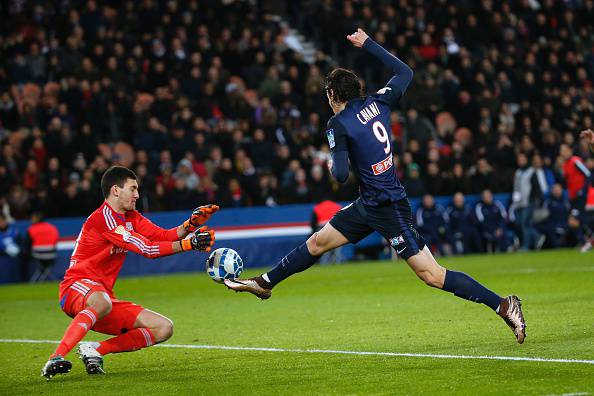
(396, 241)
(125, 234)
(129, 226)
(330, 135)
(382, 166)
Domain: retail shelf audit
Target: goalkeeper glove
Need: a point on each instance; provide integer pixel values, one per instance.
(199, 216)
(202, 240)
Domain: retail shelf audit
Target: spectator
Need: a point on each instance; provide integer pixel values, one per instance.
(555, 226)
(412, 183)
(523, 203)
(9, 238)
(461, 224)
(491, 218)
(431, 222)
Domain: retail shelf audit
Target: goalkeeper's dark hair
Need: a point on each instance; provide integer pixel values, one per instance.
(115, 176)
(344, 84)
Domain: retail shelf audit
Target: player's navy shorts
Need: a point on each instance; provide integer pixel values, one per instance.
(393, 220)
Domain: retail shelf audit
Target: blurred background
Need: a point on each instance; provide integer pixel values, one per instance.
(223, 102)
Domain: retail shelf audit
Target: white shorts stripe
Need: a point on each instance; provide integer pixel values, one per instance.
(81, 291)
(82, 286)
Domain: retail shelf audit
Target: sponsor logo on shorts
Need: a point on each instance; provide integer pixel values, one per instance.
(382, 166)
(396, 241)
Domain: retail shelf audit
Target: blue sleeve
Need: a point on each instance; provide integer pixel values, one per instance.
(403, 74)
(337, 140)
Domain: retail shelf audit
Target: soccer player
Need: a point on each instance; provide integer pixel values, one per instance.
(86, 293)
(359, 131)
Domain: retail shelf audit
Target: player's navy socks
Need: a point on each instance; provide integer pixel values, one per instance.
(464, 286)
(298, 260)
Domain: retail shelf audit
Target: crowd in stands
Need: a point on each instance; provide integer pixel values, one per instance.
(212, 101)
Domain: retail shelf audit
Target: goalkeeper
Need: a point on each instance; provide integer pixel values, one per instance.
(86, 293)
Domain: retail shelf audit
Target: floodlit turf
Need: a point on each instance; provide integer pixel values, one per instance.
(378, 307)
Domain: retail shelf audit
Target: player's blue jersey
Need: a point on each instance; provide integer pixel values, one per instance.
(363, 129)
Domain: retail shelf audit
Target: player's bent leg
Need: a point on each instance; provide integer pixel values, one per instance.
(427, 269)
(326, 239)
(160, 326)
(298, 260)
(101, 303)
(463, 286)
(136, 327)
(97, 305)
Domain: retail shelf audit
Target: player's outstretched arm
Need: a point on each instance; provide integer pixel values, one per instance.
(202, 240)
(402, 73)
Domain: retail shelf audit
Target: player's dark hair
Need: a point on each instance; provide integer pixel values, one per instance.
(344, 84)
(115, 176)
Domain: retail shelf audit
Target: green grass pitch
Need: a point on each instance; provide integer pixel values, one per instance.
(374, 307)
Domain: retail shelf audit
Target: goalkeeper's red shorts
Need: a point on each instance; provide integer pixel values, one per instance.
(121, 318)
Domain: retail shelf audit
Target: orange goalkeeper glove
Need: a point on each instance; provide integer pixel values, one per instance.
(199, 216)
(202, 240)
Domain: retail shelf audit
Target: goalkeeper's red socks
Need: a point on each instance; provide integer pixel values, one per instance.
(78, 328)
(131, 341)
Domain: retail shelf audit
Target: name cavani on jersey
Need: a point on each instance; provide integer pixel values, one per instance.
(368, 113)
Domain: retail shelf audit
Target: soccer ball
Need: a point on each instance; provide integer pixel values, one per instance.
(224, 263)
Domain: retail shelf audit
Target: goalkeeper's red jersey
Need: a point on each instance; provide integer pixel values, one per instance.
(104, 240)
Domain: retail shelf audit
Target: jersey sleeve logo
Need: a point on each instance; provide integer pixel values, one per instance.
(382, 166)
(330, 135)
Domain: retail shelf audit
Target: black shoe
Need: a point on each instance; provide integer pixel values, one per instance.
(56, 365)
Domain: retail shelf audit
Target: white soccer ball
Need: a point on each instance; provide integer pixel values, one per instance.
(224, 263)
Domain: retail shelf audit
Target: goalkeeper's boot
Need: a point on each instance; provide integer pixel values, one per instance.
(510, 310)
(93, 360)
(56, 365)
(257, 286)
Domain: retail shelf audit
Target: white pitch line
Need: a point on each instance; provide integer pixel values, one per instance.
(339, 352)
